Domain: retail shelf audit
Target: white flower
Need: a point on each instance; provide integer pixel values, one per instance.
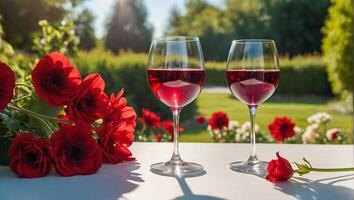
(246, 127)
(233, 125)
(297, 130)
(238, 137)
(333, 134)
(245, 136)
(310, 134)
(318, 118)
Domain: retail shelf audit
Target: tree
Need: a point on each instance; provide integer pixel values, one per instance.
(205, 21)
(128, 28)
(84, 30)
(338, 46)
(296, 25)
(20, 17)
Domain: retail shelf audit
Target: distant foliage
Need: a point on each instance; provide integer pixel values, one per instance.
(19, 63)
(127, 28)
(338, 45)
(84, 30)
(295, 25)
(21, 17)
(60, 38)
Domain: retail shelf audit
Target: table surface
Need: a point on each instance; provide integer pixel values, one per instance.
(133, 180)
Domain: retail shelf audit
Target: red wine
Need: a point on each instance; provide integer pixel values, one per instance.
(176, 87)
(252, 87)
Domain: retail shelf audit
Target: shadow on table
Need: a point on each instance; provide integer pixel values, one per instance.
(110, 183)
(187, 192)
(306, 189)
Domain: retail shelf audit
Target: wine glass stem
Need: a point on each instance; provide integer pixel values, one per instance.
(176, 114)
(253, 110)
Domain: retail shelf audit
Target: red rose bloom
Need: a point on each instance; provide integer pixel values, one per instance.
(218, 120)
(114, 140)
(151, 119)
(55, 80)
(118, 111)
(279, 170)
(159, 137)
(75, 151)
(200, 119)
(91, 102)
(168, 127)
(281, 128)
(7, 85)
(30, 156)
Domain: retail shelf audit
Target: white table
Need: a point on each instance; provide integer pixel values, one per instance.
(134, 180)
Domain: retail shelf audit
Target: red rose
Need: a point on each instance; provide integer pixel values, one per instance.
(279, 170)
(118, 111)
(114, 140)
(75, 151)
(55, 80)
(7, 85)
(281, 128)
(91, 102)
(218, 120)
(30, 156)
(168, 127)
(200, 119)
(151, 119)
(159, 137)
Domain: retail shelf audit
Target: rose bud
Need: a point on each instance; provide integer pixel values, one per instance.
(279, 169)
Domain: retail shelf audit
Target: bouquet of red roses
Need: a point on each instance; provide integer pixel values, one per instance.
(91, 127)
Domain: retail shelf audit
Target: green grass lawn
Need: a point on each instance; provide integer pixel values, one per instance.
(297, 108)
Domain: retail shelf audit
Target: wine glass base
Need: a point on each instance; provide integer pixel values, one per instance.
(255, 167)
(179, 168)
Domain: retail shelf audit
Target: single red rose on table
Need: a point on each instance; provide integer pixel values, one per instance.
(55, 80)
(30, 156)
(201, 119)
(219, 120)
(75, 151)
(281, 128)
(91, 102)
(150, 119)
(7, 85)
(118, 111)
(279, 169)
(168, 127)
(114, 140)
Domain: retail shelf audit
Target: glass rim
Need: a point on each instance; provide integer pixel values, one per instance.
(176, 38)
(253, 41)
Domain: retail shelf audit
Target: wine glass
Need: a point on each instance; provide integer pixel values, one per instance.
(176, 76)
(252, 76)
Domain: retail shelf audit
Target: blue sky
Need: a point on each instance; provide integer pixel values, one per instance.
(158, 12)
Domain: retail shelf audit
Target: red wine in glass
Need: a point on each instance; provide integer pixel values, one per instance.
(176, 87)
(252, 87)
(175, 74)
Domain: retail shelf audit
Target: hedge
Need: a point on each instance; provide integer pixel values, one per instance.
(303, 75)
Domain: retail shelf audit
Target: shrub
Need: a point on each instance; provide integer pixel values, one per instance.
(338, 45)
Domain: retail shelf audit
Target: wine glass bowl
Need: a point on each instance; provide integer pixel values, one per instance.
(176, 77)
(252, 76)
